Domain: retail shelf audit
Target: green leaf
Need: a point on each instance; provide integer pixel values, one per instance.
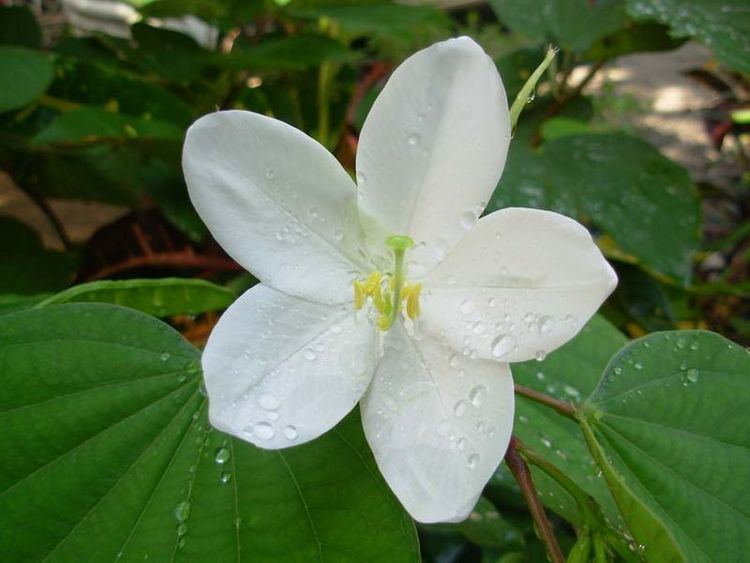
(572, 24)
(92, 125)
(378, 19)
(18, 26)
(24, 74)
(26, 267)
(295, 52)
(106, 451)
(12, 302)
(486, 527)
(569, 374)
(90, 83)
(622, 184)
(668, 423)
(723, 26)
(634, 38)
(159, 297)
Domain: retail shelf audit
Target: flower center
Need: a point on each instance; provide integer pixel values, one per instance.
(388, 291)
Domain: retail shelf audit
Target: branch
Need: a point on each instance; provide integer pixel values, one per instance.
(562, 407)
(521, 472)
(44, 206)
(179, 259)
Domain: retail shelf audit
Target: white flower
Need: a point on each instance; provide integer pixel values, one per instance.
(426, 356)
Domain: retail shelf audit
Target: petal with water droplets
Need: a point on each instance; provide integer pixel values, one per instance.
(438, 424)
(277, 201)
(281, 371)
(433, 147)
(522, 283)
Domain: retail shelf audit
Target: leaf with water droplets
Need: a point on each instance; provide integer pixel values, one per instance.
(107, 451)
(672, 440)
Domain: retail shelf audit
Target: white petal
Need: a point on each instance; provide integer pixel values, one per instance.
(276, 201)
(522, 283)
(280, 371)
(438, 423)
(433, 147)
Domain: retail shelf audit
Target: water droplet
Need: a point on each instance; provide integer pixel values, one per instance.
(460, 409)
(454, 361)
(467, 307)
(618, 370)
(182, 529)
(222, 456)
(290, 432)
(539, 355)
(225, 477)
(420, 117)
(413, 139)
(693, 375)
(468, 219)
(309, 354)
(165, 356)
(546, 442)
(638, 366)
(264, 431)
(503, 345)
(681, 343)
(182, 511)
(545, 324)
(694, 345)
(313, 211)
(540, 375)
(268, 402)
(477, 395)
(461, 443)
(472, 461)
(270, 173)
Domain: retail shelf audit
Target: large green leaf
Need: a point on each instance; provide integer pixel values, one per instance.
(724, 26)
(573, 24)
(569, 374)
(380, 19)
(93, 125)
(24, 75)
(669, 424)
(644, 201)
(26, 267)
(106, 454)
(159, 297)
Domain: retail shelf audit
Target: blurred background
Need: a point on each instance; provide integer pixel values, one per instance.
(639, 130)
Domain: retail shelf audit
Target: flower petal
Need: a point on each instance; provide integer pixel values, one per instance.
(522, 283)
(280, 371)
(433, 147)
(438, 423)
(277, 202)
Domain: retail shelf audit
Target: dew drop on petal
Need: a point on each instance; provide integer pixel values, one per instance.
(413, 139)
(477, 395)
(290, 432)
(472, 461)
(263, 431)
(268, 402)
(460, 409)
(309, 354)
(461, 444)
(467, 307)
(503, 345)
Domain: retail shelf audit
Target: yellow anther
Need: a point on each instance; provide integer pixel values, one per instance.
(411, 295)
(384, 322)
(359, 295)
(372, 283)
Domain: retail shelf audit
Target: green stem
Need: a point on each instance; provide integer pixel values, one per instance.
(325, 73)
(522, 98)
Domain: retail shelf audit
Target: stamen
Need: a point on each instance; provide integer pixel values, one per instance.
(387, 292)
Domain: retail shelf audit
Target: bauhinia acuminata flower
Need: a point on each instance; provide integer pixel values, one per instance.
(390, 292)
